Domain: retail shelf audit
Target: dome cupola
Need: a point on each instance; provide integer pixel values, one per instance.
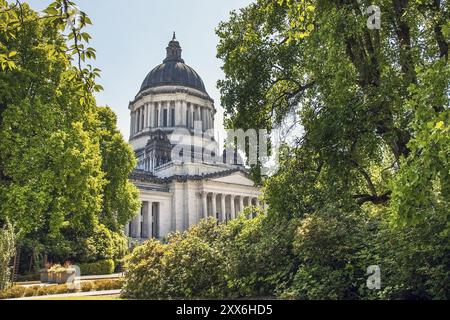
(173, 71)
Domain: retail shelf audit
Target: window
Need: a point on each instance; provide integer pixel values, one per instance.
(172, 117)
(155, 220)
(165, 118)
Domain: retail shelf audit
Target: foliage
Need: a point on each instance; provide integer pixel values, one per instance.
(188, 266)
(103, 244)
(415, 259)
(258, 255)
(97, 285)
(7, 251)
(63, 164)
(367, 179)
(372, 103)
(97, 268)
(243, 258)
(120, 197)
(333, 250)
(144, 271)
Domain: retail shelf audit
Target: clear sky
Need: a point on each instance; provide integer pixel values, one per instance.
(131, 37)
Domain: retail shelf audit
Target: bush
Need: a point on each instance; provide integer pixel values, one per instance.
(103, 244)
(186, 267)
(31, 291)
(97, 268)
(101, 285)
(13, 292)
(7, 251)
(41, 291)
(332, 253)
(87, 286)
(258, 255)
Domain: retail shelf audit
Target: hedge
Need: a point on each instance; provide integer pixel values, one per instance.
(96, 268)
(98, 285)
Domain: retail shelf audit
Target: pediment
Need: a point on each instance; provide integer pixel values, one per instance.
(235, 178)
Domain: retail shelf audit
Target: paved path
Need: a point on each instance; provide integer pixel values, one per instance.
(68, 295)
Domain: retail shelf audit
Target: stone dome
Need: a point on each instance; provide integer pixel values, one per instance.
(173, 71)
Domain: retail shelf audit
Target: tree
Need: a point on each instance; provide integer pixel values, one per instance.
(363, 97)
(57, 179)
(373, 104)
(121, 198)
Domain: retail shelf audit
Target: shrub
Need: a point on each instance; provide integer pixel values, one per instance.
(87, 286)
(258, 255)
(97, 268)
(333, 252)
(145, 271)
(19, 291)
(41, 291)
(13, 292)
(103, 244)
(7, 251)
(31, 291)
(101, 285)
(120, 246)
(186, 267)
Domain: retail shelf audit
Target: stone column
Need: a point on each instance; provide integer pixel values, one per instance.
(205, 118)
(223, 208)
(178, 114)
(157, 115)
(183, 113)
(151, 115)
(136, 229)
(232, 207)
(208, 117)
(205, 204)
(214, 205)
(145, 116)
(137, 120)
(161, 114)
(131, 123)
(241, 204)
(155, 118)
(144, 219)
(149, 219)
(188, 116)
(202, 117)
(141, 110)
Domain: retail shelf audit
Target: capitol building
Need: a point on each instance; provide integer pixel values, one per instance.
(172, 107)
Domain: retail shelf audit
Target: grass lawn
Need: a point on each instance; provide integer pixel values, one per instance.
(111, 297)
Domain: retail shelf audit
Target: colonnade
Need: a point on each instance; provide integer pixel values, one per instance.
(170, 114)
(146, 223)
(225, 206)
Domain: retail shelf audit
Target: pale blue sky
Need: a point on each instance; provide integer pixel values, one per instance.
(131, 36)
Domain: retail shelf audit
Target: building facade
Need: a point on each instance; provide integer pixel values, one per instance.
(171, 132)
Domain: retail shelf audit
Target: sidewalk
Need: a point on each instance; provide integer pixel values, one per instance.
(69, 295)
